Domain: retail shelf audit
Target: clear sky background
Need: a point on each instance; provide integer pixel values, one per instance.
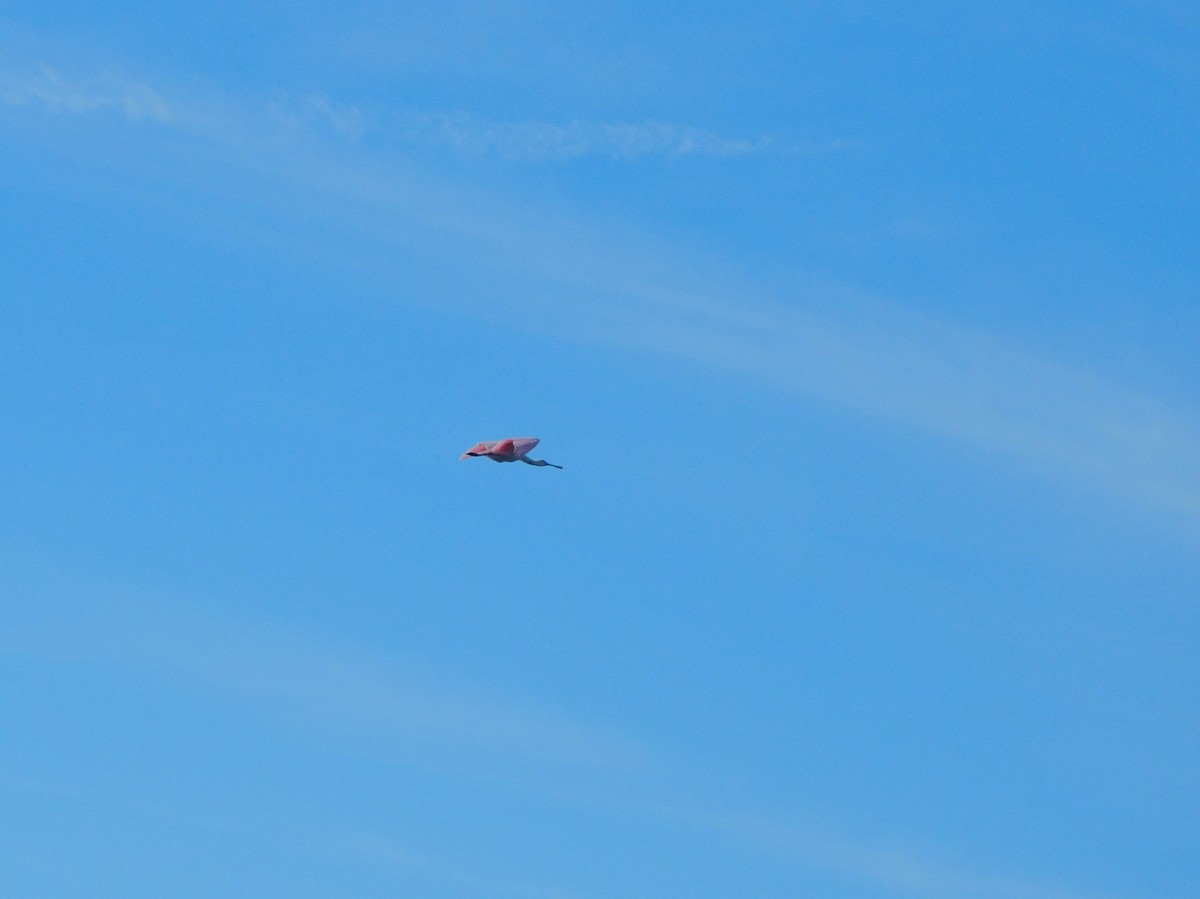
(865, 331)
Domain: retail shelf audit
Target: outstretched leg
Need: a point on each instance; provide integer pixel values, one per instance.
(538, 462)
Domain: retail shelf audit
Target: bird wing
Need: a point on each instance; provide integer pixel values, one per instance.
(522, 445)
(478, 449)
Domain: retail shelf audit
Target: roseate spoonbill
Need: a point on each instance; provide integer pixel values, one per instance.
(511, 450)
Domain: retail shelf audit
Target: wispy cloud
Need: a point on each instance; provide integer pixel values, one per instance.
(339, 691)
(943, 379)
(408, 709)
(246, 823)
(464, 133)
(458, 132)
(380, 848)
(872, 357)
(48, 89)
(899, 870)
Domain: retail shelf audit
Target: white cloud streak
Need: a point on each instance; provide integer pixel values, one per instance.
(408, 711)
(458, 132)
(873, 358)
(945, 380)
(537, 141)
(380, 848)
(246, 824)
(50, 90)
(897, 869)
(339, 692)
(462, 133)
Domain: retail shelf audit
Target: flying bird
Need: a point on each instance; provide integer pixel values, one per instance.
(513, 449)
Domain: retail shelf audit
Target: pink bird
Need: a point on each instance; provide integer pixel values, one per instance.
(511, 450)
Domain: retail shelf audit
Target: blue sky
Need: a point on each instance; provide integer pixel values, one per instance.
(865, 333)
